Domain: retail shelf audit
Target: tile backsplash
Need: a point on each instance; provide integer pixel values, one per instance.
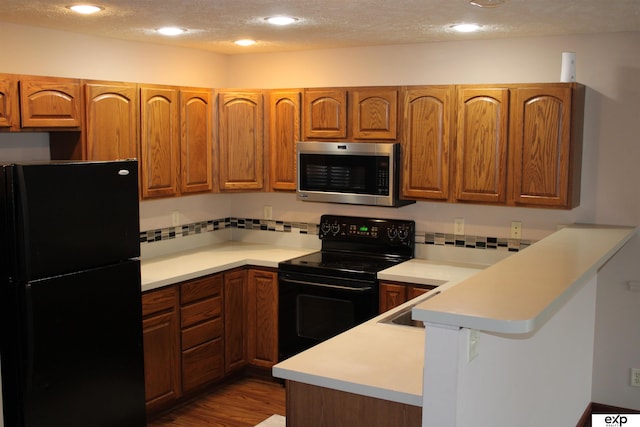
(263, 225)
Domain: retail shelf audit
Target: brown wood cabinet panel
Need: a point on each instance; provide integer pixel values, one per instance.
(545, 147)
(200, 311)
(374, 113)
(284, 132)
(161, 348)
(325, 113)
(48, 102)
(313, 406)
(241, 140)
(391, 295)
(203, 287)
(426, 142)
(202, 332)
(235, 320)
(196, 142)
(9, 112)
(202, 364)
(481, 144)
(263, 317)
(111, 126)
(159, 141)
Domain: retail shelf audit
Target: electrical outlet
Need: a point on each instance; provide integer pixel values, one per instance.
(472, 344)
(458, 226)
(635, 377)
(516, 229)
(175, 218)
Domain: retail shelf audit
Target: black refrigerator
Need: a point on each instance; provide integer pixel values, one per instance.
(70, 299)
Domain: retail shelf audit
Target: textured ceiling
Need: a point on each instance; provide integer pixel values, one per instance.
(214, 24)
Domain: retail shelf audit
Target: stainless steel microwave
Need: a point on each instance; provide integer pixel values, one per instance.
(361, 173)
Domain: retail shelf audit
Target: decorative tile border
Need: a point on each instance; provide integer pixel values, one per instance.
(426, 238)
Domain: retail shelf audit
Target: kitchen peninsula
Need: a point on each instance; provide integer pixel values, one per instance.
(513, 341)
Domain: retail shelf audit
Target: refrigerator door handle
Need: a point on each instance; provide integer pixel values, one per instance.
(30, 350)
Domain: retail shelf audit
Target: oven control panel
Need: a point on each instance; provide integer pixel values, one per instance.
(370, 230)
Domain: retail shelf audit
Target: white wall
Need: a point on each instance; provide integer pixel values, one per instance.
(608, 64)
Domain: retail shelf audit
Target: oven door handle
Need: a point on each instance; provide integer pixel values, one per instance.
(326, 285)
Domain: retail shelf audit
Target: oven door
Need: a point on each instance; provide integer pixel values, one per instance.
(314, 308)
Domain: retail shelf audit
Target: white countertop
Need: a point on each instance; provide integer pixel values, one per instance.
(518, 294)
(375, 359)
(190, 264)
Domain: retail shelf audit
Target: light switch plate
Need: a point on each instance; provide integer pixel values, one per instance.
(458, 226)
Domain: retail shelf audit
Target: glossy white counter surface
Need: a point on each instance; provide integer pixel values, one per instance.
(518, 294)
(426, 272)
(190, 264)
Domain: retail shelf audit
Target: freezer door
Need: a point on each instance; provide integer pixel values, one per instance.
(82, 350)
(74, 216)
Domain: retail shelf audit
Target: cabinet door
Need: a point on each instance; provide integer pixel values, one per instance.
(426, 142)
(196, 141)
(235, 326)
(325, 113)
(284, 131)
(391, 295)
(262, 332)
(481, 144)
(374, 113)
(111, 121)
(9, 114)
(48, 102)
(545, 161)
(159, 142)
(161, 348)
(241, 140)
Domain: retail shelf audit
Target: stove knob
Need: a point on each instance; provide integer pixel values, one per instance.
(392, 233)
(325, 228)
(403, 233)
(335, 228)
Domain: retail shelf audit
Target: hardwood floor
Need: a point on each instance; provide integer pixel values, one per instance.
(242, 403)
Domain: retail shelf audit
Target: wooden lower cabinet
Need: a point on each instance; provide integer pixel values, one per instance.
(201, 321)
(161, 339)
(314, 406)
(235, 295)
(262, 333)
(393, 294)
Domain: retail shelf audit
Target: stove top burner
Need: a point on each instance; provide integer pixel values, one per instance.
(342, 261)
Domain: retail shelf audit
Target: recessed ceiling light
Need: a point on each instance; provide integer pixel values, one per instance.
(487, 3)
(171, 31)
(245, 42)
(280, 20)
(85, 9)
(466, 28)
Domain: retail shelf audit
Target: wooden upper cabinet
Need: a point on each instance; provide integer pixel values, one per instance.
(325, 113)
(196, 145)
(284, 132)
(9, 114)
(545, 157)
(111, 120)
(159, 141)
(241, 140)
(48, 102)
(426, 142)
(374, 113)
(481, 144)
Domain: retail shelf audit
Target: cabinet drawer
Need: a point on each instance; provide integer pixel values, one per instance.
(202, 333)
(159, 300)
(200, 311)
(195, 290)
(202, 364)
